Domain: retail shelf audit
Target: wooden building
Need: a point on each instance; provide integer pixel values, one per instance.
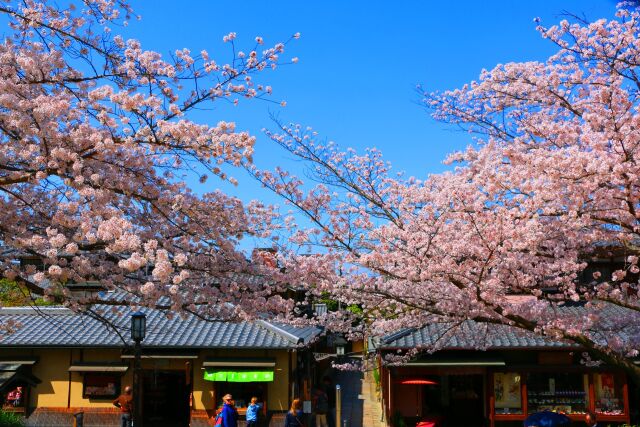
(517, 374)
(59, 362)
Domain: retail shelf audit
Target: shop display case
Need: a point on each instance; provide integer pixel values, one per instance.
(574, 391)
(507, 390)
(15, 398)
(609, 393)
(561, 392)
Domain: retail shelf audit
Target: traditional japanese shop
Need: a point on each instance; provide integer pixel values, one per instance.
(501, 386)
(59, 362)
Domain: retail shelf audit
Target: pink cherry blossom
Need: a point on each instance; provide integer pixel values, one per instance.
(550, 186)
(98, 142)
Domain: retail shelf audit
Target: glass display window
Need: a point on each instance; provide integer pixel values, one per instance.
(507, 392)
(100, 386)
(14, 398)
(561, 392)
(608, 389)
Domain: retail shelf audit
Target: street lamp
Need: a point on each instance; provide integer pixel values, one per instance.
(138, 326)
(138, 332)
(340, 344)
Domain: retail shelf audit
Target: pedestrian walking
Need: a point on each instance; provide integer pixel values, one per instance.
(253, 412)
(295, 417)
(228, 417)
(320, 405)
(125, 403)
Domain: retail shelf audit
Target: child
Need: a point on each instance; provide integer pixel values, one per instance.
(252, 412)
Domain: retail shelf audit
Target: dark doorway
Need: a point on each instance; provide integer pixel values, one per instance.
(466, 403)
(454, 401)
(165, 399)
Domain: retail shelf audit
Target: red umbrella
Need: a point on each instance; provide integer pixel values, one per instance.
(418, 381)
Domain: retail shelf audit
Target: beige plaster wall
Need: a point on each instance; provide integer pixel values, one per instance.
(53, 370)
(94, 355)
(62, 389)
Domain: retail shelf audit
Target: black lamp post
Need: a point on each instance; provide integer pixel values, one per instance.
(138, 332)
(340, 344)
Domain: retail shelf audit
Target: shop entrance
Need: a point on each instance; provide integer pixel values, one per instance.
(466, 408)
(165, 398)
(455, 400)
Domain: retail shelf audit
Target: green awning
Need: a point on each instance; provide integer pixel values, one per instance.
(239, 377)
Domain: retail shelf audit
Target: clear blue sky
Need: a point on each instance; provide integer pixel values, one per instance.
(359, 64)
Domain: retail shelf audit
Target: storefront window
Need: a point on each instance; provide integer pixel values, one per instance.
(14, 399)
(101, 386)
(507, 393)
(241, 392)
(608, 394)
(561, 392)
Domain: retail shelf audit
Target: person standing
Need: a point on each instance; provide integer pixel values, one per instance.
(330, 390)
(228, 415)
(125, 403)
(590, 419)
(320, 402)
(253, 412)
(295, 416)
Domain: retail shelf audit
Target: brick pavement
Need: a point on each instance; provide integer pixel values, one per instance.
(372, 413)
(360, 405)
(44, 418)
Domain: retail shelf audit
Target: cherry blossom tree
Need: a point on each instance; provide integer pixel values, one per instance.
(511, 234)
(96, 149)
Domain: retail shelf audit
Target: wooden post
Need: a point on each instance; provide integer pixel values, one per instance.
(625, 399)
(492, 410)
(189, 383)
(524, 396)
(592, 395)
(390, 393)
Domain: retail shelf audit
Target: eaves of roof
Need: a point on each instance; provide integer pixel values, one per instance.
(45, 327)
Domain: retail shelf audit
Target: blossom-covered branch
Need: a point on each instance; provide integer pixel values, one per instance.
(96, 142)
(530, 221)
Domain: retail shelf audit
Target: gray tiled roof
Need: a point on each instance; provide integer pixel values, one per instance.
(52, 327)
(468, 336)
(612, 321)
(307, 334)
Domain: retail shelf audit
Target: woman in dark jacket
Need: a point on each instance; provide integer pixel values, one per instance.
(229, 413)
(295, 415)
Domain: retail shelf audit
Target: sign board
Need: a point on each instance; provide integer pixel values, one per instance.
(306, 406)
